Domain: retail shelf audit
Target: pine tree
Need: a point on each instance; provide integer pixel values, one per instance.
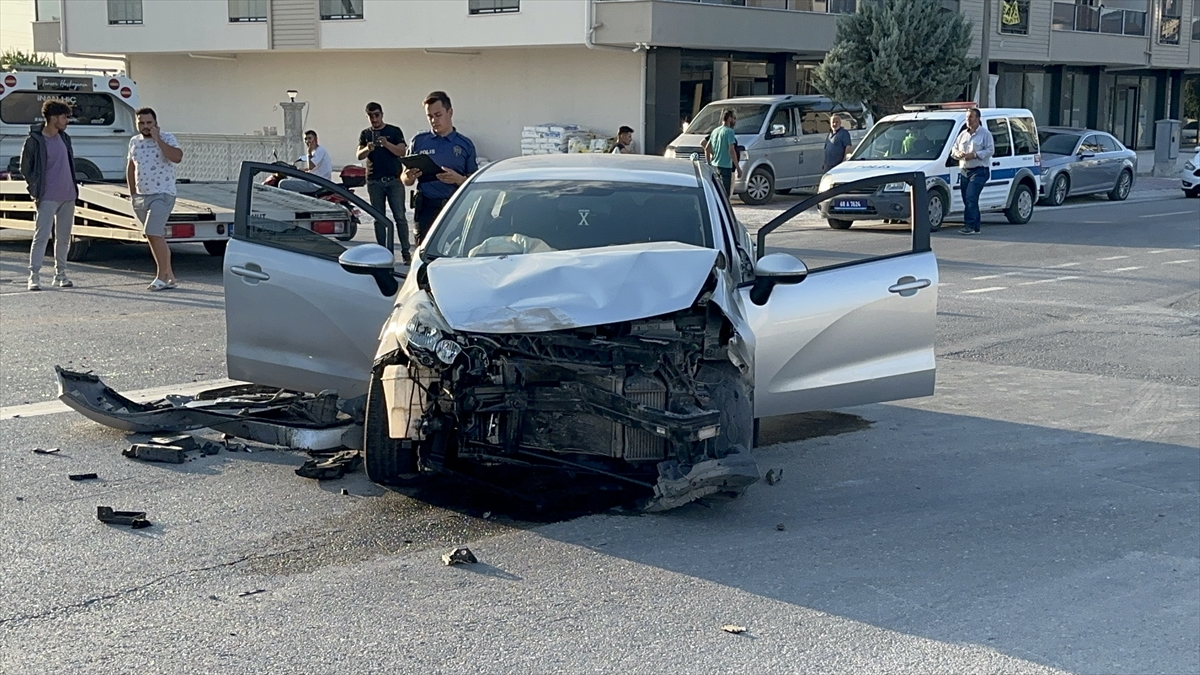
(895, 52)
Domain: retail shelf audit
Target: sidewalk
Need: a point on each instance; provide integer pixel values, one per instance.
(1146, 160)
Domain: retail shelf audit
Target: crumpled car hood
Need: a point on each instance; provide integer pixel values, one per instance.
(541, 292)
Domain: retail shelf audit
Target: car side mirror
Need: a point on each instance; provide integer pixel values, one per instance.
(951, 162)
(373, 260)
(1086, 155)
(778, 130)
(774, 269)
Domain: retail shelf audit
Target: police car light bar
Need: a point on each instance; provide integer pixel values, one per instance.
(950, 105)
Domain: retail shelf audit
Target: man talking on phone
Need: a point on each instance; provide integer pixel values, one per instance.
(450, 150)
(382, 146)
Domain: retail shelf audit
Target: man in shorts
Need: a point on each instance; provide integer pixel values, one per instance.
(150, 174)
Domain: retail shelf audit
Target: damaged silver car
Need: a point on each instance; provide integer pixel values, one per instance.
(601, 315)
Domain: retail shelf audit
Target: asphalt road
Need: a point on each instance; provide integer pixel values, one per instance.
(1040, 513)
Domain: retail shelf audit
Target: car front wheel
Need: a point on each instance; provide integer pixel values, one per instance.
(1059, 190)
(388, 461)
(839, 224)
(1192, 194)
(1021, 209)
(760, 187)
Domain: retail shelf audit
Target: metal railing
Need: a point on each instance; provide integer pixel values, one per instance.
(823, 6)
(1069, 16)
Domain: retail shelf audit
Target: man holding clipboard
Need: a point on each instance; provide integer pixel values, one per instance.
(440, 160)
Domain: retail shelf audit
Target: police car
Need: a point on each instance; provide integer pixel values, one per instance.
(920, 139)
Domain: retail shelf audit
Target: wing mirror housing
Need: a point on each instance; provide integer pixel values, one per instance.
(778, 130)
(373, 260)
(1086, 155)
(774, 269)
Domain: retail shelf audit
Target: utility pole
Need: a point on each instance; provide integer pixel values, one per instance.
(985, 38)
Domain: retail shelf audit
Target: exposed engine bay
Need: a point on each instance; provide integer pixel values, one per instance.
(655, 402)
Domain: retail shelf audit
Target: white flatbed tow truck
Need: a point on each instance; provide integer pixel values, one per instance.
(203, 213)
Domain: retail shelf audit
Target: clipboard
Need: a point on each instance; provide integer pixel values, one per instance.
(427, 166)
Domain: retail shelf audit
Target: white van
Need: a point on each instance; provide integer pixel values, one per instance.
(101, 124)
(921, 140)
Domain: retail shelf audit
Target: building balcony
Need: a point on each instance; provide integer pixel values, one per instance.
(1069, 16)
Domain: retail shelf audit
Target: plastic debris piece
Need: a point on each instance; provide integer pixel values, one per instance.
(781, 527)
(736, 630)
(149, 452)
(330, 468)
(134, 519)
(43, 451)
(209, 448)
(254, 592)
(82, 476)
(345, 491)
(185, 441)
(460, 556)
(773, 476)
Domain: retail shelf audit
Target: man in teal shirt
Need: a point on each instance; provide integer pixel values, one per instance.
(720, 149)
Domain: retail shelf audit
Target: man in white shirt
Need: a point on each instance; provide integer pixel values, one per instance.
(316, 160)
(973, 149)
(150, 174)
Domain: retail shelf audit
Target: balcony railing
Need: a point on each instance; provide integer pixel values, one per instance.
(826, 6)
(1086, 19)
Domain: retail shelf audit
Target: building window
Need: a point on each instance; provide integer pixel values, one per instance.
(1014, 17)
(247, 11)
(124, 12)
(333, 10)
(1170, 19)
(493, 6)
(1195, 20)
(1083, 16)
(48, 10)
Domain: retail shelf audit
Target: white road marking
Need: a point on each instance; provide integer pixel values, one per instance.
(995, 276)
(1045, 281)
(1178, 262)
(1162, 250)
(142, 395)
(1055, 267)
(1125, 269)
(1114, 257)
(989, 289)
(1164, 215)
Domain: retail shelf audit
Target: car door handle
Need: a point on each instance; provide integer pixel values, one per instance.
(249, 274)
(995, 163)
(908, 286)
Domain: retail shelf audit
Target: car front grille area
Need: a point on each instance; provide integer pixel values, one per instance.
(684, 153)
(859, 191)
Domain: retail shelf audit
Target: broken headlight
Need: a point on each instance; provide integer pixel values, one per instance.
(429, 338)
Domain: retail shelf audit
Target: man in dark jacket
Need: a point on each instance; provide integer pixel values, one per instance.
(48, 164)
(837, 143)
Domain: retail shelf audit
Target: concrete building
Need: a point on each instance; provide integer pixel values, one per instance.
(223, 66)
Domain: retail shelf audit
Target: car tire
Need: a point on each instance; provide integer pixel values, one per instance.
(1120, 191)
(386, 460)
(839, 224)
(78, 249)
(86, 171)
(1020, 210)
(938, 209)
(216, 248)
(1192, 194)
(760, 187)
(730, 392)
(1059, 190)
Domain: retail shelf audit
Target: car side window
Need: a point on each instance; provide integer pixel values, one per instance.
(727, 223)
(999, 129)
(783, 117)
(1024, 132)
(292, 220)
(1091, 145)
(1108, 143)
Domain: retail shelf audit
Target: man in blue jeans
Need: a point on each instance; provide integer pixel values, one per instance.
(382, 145)
(973, 149)
(720, 149)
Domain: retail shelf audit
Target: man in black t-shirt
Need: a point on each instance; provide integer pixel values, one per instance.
(382, 146)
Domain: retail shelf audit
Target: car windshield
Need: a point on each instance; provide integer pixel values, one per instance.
(750, 118)
(905, 139)
(514, 217)
(1057, 142)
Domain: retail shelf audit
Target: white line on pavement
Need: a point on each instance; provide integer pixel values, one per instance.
(1055, 267)
(989, 289)
(1125, 269)
(1178, 262)
(1045, 281)
(142, 395)
(1164, 215)
(995, 276)
(1161, 250)
(1114, 257)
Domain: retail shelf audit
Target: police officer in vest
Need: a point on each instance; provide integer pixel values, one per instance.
(450, 150)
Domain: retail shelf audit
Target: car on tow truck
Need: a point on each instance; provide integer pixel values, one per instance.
(603, 315)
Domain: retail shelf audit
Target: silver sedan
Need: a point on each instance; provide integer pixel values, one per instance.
(1083, 162)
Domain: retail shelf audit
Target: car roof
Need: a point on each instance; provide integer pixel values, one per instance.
(647, 169)
(1070, 130)
(958, 114)
(774, 98)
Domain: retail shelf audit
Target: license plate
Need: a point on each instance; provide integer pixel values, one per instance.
(850, 204)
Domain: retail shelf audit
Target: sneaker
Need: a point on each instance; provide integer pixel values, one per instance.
(35, 282)
(967, 230)
(62, 281)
